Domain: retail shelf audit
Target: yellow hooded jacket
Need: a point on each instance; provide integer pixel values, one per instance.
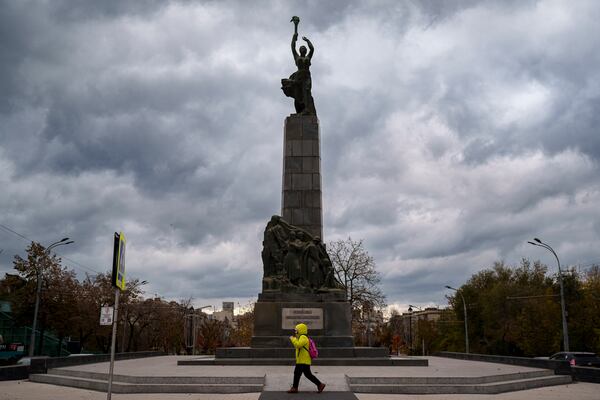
(300, 342)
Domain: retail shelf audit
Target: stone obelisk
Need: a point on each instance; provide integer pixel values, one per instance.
(301, 201)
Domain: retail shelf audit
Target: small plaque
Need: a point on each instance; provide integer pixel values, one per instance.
(312, 317)
(106, 316)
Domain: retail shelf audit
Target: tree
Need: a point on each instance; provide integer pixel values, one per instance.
(355, 269)
(241, 335)
(516, 311)
(94, 292)
(71, 308)
(211, 335)
(582, 297)
(57, 296)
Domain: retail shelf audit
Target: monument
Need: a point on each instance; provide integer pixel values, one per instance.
(299, 282)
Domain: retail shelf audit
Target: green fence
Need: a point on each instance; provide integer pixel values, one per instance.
(22, 334)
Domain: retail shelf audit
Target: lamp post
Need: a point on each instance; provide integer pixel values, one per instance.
(565, 328)
(38, 291)
(144, 282)
(417, 329)
(369, 331)
(193, 326)
(465, 311)
(410, 311)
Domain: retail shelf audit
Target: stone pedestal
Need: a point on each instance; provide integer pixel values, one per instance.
(301, 202)
(329, 321)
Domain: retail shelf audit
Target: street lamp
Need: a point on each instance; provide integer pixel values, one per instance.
(144, 282)
(410, 311)
(466, 325)
(410, 307)
(539, 243)
(61, 242)
(194, 328)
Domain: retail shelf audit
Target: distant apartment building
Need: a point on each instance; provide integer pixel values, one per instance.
(410, 322)
(226, 314)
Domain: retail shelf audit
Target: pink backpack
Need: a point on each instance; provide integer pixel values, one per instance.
(312, 349)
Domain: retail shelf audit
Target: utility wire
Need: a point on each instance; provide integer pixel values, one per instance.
(6, 228)
(77, 264)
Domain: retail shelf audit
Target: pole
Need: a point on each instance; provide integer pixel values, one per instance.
(194, 333)
(466, 326)
(410, 331)
(562, 302)
(35, 312)
(112, 346)
(39, 290)
(465, 311)
(563, 308)
(124, 330)
(186, 333)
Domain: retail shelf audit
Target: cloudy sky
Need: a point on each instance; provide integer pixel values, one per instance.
(452, 133)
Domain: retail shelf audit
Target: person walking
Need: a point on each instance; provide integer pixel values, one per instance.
(303, 360)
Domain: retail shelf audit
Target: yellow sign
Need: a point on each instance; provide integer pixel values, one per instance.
(118, 272)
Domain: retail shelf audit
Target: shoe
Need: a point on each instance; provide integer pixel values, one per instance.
(321, 387)
(293, 390)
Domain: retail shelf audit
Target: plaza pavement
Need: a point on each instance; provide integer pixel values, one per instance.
(279, 378)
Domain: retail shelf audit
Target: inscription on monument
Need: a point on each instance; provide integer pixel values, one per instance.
(312, 317)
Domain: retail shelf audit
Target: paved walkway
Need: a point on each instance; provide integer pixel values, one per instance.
(279, 379)
(167, 366)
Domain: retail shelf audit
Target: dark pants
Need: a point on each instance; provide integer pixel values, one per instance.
(304, 369)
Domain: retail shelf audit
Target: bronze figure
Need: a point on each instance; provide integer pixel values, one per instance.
(299, 84)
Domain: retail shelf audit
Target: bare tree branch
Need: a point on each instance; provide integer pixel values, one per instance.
(355, 269)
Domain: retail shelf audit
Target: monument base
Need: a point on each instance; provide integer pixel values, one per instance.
(329, 325)
(329, 322)
(288, 352)
(354, 361)
(261, 342)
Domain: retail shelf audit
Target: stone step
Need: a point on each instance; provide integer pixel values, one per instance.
(448, 380)
(362, 361)
(162, 380)
(289, 352)
(120, 387)
(484, 388)
(312, 395)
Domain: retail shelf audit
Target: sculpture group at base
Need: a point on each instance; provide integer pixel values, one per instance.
(294, 261)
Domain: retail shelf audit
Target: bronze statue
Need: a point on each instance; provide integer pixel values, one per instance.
(299, 84)
(295, 261)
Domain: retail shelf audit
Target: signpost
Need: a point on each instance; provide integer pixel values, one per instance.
(118, 281)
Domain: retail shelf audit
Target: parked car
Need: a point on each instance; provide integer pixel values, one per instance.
(11, 353)
(578, 358)
(24, 361)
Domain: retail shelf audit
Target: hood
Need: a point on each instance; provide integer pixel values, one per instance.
(302, 329)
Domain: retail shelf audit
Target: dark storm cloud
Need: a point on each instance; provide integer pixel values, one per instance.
(76, 11)
(452, 132)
